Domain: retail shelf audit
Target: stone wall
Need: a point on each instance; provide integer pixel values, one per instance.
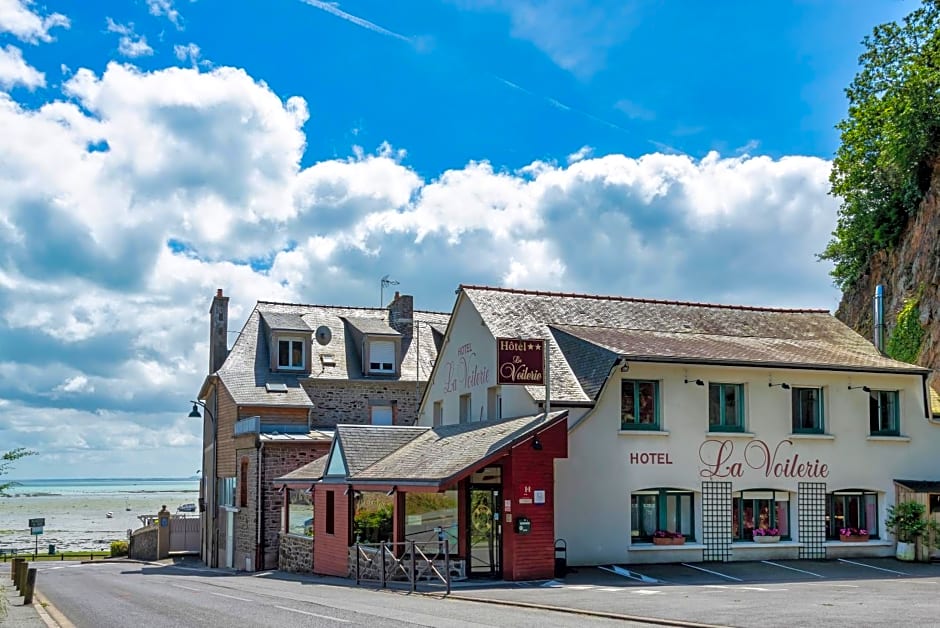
(348, 401)
(295, 553)
(143, 544)
(245, 531)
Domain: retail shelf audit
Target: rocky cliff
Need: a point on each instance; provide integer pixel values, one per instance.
(910, 274)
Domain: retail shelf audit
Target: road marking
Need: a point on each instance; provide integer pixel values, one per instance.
(770, 562)
(180, 586)
(646, 592)
(297, 610)
(231, 597)
(626, 573)
(714, 573)
(846, 586)
(759, 589)
(852, 562)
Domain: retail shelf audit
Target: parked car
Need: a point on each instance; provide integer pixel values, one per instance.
(187, 508)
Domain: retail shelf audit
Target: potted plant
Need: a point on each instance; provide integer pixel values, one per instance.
(853, 535)
(665, 537)
(909, 523)
(766, 535)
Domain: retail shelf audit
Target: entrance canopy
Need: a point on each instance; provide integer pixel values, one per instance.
(421, 458)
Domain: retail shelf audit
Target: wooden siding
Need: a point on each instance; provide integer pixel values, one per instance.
(227, 413)
(274, 414)
(331, 551)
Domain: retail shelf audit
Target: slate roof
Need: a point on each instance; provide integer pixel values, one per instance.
(371, 325)
(668, 331)
(363, 445)
(439, 454)
(246, 371)
(920, 486)
(310, 472)
(313, 435)
(285, 321)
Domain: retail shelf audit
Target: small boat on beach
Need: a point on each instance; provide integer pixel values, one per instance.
(109, 514)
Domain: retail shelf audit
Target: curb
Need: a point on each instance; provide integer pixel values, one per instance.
(49, 614)
(659, 621)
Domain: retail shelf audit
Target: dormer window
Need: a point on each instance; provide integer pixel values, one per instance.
(381, 356)
(290, 353)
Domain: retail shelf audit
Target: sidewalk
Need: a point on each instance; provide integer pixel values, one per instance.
(12, 611)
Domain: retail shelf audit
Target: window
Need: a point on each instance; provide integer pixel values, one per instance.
(639, 405)
(661, 509)
(381, 415)
(243, 484)
(300, 512)
(883, 413)
(760, 510)
(852, 509)
(226, 491)
(725, 407)
(465, 408)
(438, 412)
(807, 410)
(330, 513)
(290, 353)
(494, 403)
(381, 356)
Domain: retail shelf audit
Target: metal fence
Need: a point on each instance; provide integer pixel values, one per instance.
(411, 562)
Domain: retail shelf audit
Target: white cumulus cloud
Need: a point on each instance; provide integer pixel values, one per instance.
(130, 43)
(15, 71)
(17, 18)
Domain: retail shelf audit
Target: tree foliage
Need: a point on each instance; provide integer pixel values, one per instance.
(7, 460)
(907, 340)
(890, 140)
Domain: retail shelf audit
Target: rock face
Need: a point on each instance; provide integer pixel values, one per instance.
(909, 269)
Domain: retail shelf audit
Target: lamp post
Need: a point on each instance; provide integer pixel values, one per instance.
(209, 480)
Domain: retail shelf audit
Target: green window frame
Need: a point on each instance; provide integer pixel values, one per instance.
(884, 413)
(760, 508)
(725, 407)
(667, 509)
(852, 508)
(808, 410)
(639, 405)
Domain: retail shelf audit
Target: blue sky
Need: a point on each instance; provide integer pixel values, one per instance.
(296, 150)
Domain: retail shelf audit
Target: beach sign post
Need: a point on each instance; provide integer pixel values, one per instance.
(35, 528)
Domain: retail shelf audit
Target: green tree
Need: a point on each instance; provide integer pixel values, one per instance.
(6, 461)
(890, 140)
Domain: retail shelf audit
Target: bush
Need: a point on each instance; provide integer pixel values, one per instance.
(374, 526)
(118, 548)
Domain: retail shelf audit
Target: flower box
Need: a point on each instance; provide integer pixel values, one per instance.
(853, 538)
(767, 538)
(679, 540)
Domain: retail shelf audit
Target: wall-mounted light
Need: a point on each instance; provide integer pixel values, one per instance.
(537, 443)
(865, 388)
(783, 385)
(624, 367)
(346, 492)
(391, 491)
(697, 382)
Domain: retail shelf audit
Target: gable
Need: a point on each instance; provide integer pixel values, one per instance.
(336, 463)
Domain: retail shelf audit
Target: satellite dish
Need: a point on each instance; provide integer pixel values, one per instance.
(324, 335)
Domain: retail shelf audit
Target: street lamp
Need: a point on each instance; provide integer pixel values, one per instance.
(209, 481)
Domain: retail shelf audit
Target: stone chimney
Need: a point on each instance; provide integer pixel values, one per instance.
(218, 331)
(401, 314)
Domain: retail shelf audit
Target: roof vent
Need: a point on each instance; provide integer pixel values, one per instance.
(270, 387)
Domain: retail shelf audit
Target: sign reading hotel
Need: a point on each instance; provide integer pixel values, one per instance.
(520, 362)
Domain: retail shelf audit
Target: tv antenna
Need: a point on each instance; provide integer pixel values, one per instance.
(384, 283)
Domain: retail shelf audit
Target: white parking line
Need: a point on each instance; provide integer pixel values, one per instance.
(714, 573)
(180, 586)
(231, 597)
(634, 575)
(770, 562)
(296, 610)
(852, 562)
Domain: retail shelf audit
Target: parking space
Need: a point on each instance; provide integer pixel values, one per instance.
(770, 572)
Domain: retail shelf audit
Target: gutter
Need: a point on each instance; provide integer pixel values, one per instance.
(259, 546)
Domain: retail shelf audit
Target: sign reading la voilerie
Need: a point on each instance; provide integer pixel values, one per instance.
(520, 362)
(721, 459)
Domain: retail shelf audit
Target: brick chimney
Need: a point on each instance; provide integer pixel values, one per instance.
(401, 314)
(218, 331)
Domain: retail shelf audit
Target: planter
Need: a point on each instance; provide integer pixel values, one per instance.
(766, 539)
(665, 541)
(905, 551)
(855, 538)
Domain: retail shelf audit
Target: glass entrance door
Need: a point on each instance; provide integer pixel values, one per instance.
(485, 519)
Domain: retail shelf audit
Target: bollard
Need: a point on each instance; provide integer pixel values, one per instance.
(21, 575)
(30, 585)
(16, 561)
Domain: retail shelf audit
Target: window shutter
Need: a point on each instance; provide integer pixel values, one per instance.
(382, 356)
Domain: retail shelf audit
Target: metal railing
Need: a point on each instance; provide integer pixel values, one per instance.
(405, 562)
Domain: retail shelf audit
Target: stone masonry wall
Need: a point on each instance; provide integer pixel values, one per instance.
(143, 544)
(348, 401)
(245, 531)
(280, 459)
(295, 553)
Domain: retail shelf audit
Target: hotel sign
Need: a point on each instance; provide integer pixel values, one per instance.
(520, 362)
(721, 459)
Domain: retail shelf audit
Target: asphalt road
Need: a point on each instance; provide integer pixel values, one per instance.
(114, 595)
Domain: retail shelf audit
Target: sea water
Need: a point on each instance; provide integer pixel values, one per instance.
(76, 510)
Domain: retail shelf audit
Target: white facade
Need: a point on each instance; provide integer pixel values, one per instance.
(608, 465)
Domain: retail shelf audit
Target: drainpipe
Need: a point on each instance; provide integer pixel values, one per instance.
(878, 317)
(259, 546)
